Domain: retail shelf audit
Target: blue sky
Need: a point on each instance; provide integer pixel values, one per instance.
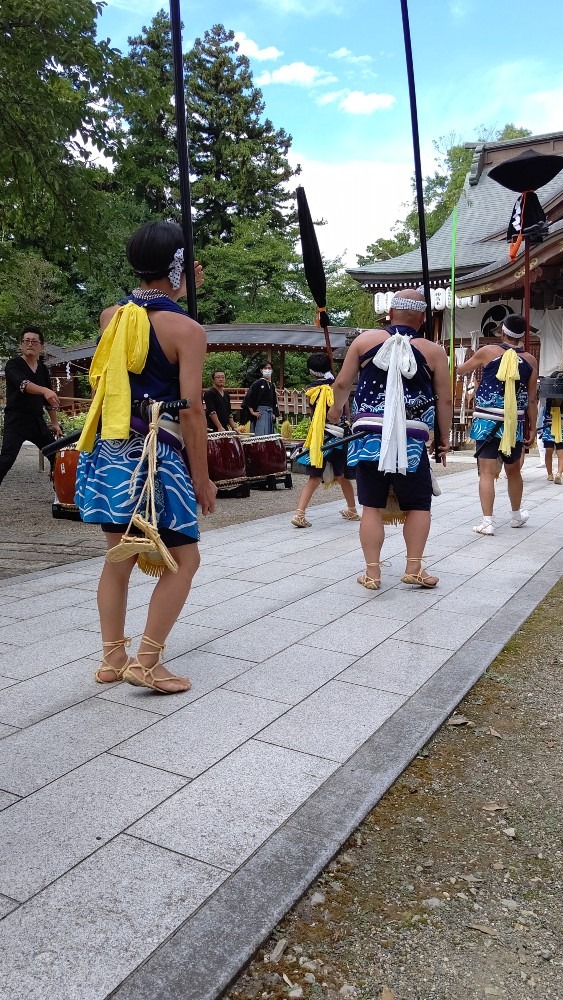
(333, 75)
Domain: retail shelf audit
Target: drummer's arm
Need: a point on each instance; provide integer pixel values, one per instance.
(215, 420)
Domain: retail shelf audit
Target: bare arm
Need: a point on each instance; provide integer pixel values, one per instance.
(343, 382)
(473, 363)
(191, 345)
(443, 392)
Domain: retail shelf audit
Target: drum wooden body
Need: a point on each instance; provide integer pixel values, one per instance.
(264, 455)
(64, 477)
(225, 457)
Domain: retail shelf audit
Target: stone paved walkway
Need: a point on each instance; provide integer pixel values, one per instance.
(149, 844)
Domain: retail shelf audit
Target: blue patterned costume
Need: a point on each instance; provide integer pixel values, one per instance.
(104, 474)
(488, 415)
(547, 435)
(369, 399)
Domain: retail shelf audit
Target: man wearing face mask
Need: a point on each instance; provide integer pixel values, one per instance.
(261, 401)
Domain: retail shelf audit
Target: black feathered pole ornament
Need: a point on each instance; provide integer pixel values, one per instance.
(183, 155)
(313, 264)
(526, 173)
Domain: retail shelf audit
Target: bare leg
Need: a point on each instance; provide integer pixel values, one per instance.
(313, 482)
(112, 607)
(348, 492)
(167, 601)
(560, 461)
(372, 536)
(415, 532)
(515, 485)
(487, 475)
(549, 459)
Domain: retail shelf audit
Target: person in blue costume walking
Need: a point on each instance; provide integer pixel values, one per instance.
(551, 430)
(402, 378)
(149, 348)
(507, 393)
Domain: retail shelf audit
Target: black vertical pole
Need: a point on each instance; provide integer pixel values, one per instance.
(417, 170)
(183, 155)
(419, 196)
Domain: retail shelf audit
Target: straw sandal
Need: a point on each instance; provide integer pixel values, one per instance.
(147, 678)
(104, 665)
(420, 579)
(557, 478)
(350, 514)
(369, 582)
(299, 520)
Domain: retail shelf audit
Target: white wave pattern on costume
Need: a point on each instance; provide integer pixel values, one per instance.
(103, 478)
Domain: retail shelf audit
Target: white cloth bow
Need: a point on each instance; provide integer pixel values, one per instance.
(397, 358)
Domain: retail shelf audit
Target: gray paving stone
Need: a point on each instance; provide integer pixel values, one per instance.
(320, 609)
(396, 666)
(29, 661)
(243, 799)
(6, 623)
(291, 675)
(7, 730)
(260, 640)
(6, 682)
(354, 633)
(48, 601)
(7, 799)
(403, 602)
(289, 590)
(7, 905)
(35, 756)
(210, 594)
(265, 572)
(80, 937)
(334, 721)
(433, 629)
(49, 693)
(42, 627)
(233, 613)
(199, 735)
(206, 671)
(47, 833)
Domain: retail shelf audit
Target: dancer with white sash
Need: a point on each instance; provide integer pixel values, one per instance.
(399, 386)
(507, 393)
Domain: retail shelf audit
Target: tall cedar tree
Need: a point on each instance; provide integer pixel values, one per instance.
(239, 160)
(148, 163)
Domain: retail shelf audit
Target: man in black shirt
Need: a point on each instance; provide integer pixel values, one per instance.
(28, 393)
(218, 405)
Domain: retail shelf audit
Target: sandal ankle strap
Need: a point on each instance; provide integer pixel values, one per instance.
(116, 643)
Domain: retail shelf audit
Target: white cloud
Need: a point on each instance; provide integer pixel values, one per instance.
(331, 97)
(251, 49)
(359, 199)
(347, 56)
(297, 73)
(358, 103)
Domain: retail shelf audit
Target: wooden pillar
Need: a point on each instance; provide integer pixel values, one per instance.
(282, 364)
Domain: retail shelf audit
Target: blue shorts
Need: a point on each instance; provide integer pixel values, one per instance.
(413, 490)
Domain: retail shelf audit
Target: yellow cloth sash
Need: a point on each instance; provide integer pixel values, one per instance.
(323, 396)
(556, 424)
(508, 373)
(123, 348)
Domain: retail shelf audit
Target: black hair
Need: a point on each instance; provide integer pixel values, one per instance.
(216, 372)
(150, 250)
(319, 362)
(32, 329)
(515, 325)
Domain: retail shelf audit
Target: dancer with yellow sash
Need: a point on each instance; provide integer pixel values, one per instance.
(507, 393)
(319, 467)
(552, 434)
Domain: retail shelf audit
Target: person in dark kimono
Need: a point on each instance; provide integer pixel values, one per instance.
(261, 401)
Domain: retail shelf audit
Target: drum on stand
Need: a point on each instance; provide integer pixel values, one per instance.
(266, 460)
(225, 458)
(64, 481)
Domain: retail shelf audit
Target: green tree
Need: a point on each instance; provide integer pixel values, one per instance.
(239, 160)
(54, 82)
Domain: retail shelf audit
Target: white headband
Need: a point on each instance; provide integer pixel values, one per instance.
(327, 375)
(176, 269)
(511, 334)
(407, 305)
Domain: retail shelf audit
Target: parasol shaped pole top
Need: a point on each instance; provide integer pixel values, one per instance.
(527, 171)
